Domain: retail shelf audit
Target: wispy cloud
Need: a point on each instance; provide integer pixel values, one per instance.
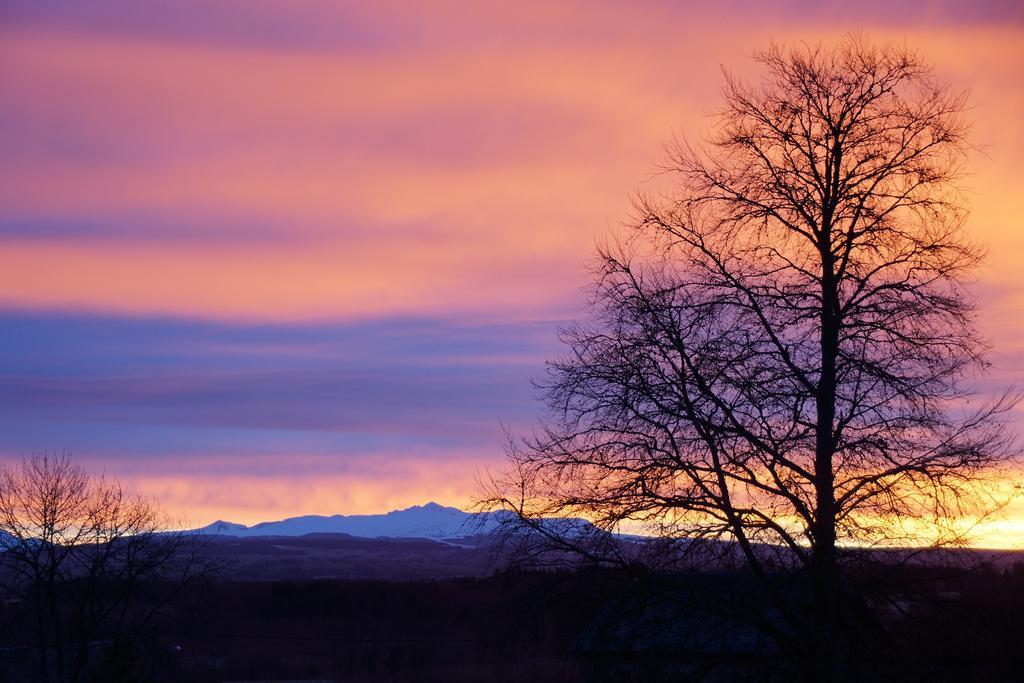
(159, 399)
(319, 232)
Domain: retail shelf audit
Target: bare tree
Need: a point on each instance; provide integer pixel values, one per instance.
(781, 349)
(83, 558)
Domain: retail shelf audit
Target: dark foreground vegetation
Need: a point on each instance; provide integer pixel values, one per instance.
(590, 625)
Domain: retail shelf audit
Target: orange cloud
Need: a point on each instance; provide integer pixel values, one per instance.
(369, 485)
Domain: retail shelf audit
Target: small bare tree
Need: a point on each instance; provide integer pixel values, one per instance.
(781, 349)
(87, 562)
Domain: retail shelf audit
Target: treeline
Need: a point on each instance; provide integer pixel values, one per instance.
(591, 625)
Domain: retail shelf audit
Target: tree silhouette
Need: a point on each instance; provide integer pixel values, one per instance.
(781, 348)
(89, 565)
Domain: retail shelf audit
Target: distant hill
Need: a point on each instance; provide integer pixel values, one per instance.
(340, 556)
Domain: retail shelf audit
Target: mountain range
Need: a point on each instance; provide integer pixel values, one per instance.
(432, 521)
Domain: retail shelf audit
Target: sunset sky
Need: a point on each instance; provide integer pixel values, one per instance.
(265, 258)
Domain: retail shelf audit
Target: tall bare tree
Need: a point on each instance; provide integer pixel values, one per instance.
(89, 564)
(781, 348)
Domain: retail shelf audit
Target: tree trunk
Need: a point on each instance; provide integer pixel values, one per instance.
(823, 569)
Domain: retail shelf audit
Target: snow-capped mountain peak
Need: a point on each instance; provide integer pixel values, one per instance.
(222, 527)
(431, 520)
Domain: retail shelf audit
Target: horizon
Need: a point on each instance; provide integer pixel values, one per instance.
(307, 261)
(431, 505)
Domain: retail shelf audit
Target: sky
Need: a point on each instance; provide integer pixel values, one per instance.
(263, 258)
